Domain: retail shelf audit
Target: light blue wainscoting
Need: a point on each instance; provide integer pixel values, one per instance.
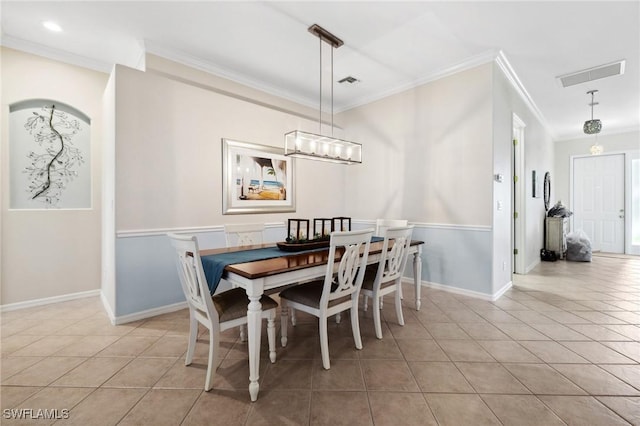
(454, 256)
(146, 274)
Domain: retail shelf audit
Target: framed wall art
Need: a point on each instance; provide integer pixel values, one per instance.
(256, 179)
(49, 156)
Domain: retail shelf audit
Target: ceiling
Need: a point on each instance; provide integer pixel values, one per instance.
(388, 46)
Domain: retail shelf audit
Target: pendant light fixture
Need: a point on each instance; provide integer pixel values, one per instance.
(591, 127)
(317, 146)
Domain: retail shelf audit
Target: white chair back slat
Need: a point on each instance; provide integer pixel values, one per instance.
(350, 271)
(383, 224)
(394, 259)
(244, 234)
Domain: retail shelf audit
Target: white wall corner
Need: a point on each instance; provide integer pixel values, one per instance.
(532, 265)
(107, 308)
(498, 294)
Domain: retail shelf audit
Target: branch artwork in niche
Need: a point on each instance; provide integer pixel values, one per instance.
(50, 171)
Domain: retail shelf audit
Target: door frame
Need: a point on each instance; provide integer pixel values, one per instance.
(627, 188)
(518, 195)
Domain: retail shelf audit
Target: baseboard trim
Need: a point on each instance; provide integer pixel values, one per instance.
(123, 319)
(461, 291)
(48, 300)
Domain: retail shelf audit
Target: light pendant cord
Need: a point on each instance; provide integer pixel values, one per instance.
(332, 91)
(320, 117)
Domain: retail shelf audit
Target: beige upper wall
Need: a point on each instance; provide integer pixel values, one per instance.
(169, 133)
(48, 253)
(427, 151)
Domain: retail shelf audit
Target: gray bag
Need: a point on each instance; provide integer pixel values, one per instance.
(578, 247)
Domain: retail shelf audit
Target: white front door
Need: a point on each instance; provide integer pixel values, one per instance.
(598, 200)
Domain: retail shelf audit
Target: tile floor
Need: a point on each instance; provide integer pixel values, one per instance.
(561, 347)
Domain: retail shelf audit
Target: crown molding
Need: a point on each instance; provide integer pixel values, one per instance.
(55, 54)
(512, 77)
(206, 66)
(467, 64)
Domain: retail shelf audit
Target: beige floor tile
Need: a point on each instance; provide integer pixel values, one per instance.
(628, 373)
(93, 372)
(491, 377)
(549, 351)
(495, 316)
(11, 396)
(440, 377)
(627, 330)
(521, 410)
(87, 346)
(508, 351)
(104, 407)
(50, 326)
(330, 408)
(280, 408)
(60, 399)
(140, 373)
(302, 347)
(408, 331)
(626, 407)
(543, 380)
(162, 407)
(465, 350)
(483, 331)
(582, 410)
(421, 350)
(388, 375)
(391, 408)
(601, 318)
(233, 374)
(559, 332)
(181, 376)
(224, 407)
(597, 353)
(288, 374)
(16, 342)
(128, 346)
(13, 365)
(167, 346)
(463, 315)
(460, 410)
(595, 380)
(444, 330)
(629, 349)
(373, 348)
(566, 318)
(532, 317)
(44, 372)
(339, 348)
(343, 375)
(521, 331)
(46, 346)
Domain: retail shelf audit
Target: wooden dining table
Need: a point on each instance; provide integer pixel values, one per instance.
(290, 268)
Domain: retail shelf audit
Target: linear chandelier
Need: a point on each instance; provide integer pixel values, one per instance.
(313, 146)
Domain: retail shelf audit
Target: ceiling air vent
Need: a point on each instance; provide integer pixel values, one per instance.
(349, 79)
(595, 73)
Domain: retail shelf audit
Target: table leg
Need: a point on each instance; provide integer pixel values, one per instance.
(417, 275)
(254, 323)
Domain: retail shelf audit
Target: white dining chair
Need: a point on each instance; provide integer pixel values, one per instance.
(244, 234)
(337, 292)
(381, 228)
(387, 277)
(217, 313)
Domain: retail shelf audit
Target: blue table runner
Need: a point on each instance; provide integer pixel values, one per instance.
(214, 264)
